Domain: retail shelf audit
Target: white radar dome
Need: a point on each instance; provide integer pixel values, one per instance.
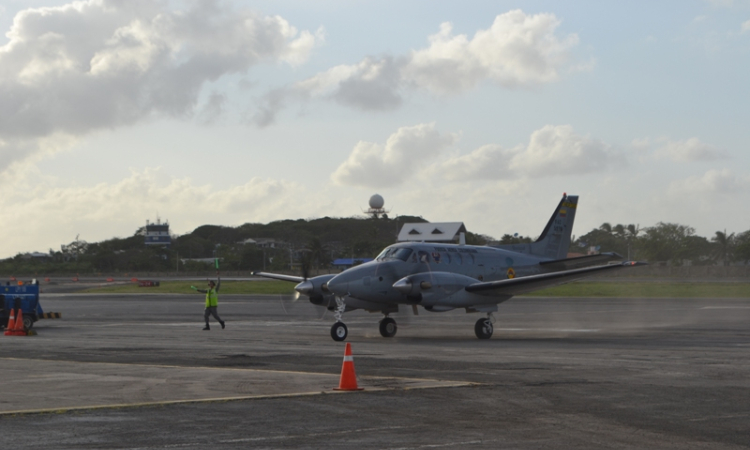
(376, 202)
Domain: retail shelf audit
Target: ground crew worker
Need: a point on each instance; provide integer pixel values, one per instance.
(212, 301)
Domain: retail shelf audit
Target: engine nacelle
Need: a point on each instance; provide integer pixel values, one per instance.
(316, 289)
(433, 288)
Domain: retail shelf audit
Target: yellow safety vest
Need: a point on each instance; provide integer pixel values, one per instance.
(212, 298)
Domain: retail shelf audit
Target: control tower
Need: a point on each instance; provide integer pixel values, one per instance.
(157, 233)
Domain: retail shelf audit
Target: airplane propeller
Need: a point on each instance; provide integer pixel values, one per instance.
(305, 287)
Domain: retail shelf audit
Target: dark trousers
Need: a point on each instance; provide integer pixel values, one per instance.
(211, 310)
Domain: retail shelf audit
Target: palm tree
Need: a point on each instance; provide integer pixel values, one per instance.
(631, 234)
(725, 245)
(619, 230)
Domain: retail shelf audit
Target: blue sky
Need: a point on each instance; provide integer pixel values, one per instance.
(481, 112)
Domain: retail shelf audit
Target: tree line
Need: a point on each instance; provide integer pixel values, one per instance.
(666, 243)
(315, 243)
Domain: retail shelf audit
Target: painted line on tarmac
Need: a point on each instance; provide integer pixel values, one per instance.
(62, 410)
(435, 384)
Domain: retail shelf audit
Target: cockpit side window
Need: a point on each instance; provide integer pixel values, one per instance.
(402, 254)
(394, 253)
(424, 257)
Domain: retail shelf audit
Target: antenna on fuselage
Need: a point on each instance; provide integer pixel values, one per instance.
(462, 238)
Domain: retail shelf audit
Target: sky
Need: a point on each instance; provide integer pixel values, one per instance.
(114, 112)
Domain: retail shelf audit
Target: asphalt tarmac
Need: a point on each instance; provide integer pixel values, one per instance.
(137, 372)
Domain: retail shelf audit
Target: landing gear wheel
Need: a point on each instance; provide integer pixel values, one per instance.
(483, 328)
(339, 331)
(388, 327)
(28, 322)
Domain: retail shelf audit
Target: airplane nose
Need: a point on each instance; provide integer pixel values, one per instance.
(338, 287)
(305, 288)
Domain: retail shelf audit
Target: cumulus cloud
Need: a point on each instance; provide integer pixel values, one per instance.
(558, 150)
(487, 162)
(689, 150)
(551, 151)
(714, 181)
(404, 153)
(97, 64)
(517, 50)
(98, 211)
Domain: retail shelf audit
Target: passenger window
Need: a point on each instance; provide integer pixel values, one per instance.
(459, 259)
(447, 258)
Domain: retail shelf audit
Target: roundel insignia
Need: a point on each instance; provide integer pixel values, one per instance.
(511, 273)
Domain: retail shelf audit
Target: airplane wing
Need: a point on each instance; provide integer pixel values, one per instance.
(522, 285)
(278, 276)
(580, 261)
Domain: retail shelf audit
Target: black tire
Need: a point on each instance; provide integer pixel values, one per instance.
(388, 327)
(339, 331)
(483, 328)
(28, 322)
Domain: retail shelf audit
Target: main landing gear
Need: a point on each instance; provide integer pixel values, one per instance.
(338, 329)
(483, 328)
(388, 327)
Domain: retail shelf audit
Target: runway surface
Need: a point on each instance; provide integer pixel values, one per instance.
(137, 371)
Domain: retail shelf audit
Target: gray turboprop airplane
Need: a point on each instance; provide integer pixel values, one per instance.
(442, 277)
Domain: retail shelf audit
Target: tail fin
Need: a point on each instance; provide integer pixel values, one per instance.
(554, 241)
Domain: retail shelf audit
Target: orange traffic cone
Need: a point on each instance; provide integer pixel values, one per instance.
(19, 329)
(348, 381)
(11, 324)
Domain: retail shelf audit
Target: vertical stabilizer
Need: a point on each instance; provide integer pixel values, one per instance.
(554, 241)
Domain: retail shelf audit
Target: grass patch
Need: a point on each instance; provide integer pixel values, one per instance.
(646, 290)
(261, 287)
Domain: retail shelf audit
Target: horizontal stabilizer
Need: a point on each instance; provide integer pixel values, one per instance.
(580, 261)
(523, 285)
(278, 276)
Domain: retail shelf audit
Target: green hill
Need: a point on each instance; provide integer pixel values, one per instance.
(281, 244)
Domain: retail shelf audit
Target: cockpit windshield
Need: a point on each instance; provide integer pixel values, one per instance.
(394, 253)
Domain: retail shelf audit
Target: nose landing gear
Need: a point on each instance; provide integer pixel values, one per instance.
(338, 329)
(388, 327)
(484, 328)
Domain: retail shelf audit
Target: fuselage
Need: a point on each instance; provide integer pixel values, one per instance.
(373, 281)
